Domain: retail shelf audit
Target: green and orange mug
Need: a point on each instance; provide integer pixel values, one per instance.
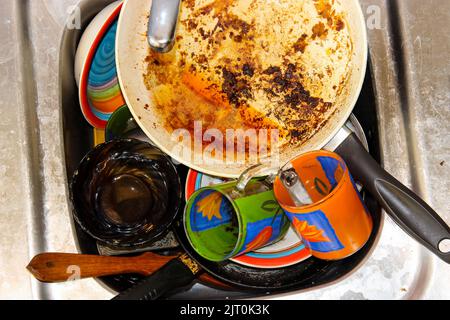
(335, 224)
(231, 219)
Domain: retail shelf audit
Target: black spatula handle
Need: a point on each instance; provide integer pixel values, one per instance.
(406, 208)
(171, 276)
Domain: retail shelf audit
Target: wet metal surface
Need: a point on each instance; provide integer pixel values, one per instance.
(410, 60)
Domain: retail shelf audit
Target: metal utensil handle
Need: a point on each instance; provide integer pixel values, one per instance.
(259, 170)
(173, 275)
(406, 208)
(162, 24)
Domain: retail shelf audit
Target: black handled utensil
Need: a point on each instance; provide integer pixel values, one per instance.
(406, 208)
(177, 273)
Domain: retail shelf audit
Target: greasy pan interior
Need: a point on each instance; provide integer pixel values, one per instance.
(132, 63)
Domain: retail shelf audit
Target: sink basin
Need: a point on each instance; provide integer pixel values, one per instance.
(78, 140)
(45, 137)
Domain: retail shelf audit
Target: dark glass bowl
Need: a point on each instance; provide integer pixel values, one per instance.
(126, 193)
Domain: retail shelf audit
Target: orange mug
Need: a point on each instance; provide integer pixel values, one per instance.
(334, 223)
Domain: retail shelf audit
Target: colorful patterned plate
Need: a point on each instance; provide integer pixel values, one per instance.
(284, 253)
(99, 91)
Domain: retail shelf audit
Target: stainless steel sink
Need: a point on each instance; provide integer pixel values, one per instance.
(409, 58)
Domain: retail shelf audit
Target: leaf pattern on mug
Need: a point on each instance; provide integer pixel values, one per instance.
(310, 233)
(260, 240)
(209, 206)
(270, 206)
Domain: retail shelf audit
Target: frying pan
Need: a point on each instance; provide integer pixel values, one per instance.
(407, 209)
(132, 51)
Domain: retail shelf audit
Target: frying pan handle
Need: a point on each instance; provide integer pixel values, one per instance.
(406, 208)
(173, 275)
(162, 24)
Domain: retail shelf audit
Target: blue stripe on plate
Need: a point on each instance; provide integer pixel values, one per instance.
(198, 181)
(100, 115)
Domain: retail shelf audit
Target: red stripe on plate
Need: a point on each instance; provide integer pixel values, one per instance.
(274, 263)
(190, 183)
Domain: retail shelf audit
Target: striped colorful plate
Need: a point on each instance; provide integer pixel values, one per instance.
(99, 91)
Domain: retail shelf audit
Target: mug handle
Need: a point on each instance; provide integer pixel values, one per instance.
(258, 170)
